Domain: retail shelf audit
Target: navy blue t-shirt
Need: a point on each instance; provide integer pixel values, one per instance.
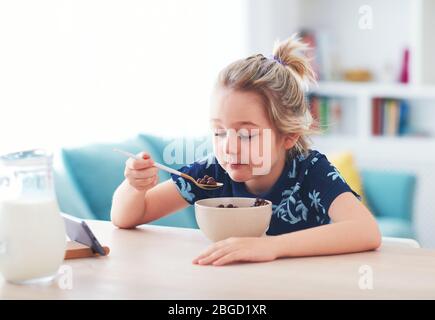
(301, 196)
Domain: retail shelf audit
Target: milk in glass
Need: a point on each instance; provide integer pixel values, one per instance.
(32, 232)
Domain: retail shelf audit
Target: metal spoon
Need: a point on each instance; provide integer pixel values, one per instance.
(170, 170)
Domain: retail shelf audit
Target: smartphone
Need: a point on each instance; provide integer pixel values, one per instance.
(79, 231)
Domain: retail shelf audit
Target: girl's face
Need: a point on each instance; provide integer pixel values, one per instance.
(240, 125)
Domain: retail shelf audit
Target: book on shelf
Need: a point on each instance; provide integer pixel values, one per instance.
(326, 112)
(323, 59)
(390, 117)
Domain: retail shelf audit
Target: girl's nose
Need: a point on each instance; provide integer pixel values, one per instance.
(231, 142)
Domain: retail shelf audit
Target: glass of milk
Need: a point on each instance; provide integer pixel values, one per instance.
(32, 232)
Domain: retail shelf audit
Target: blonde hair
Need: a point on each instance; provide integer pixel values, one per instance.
(280, 82)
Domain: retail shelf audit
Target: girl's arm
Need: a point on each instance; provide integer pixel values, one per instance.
(353, 229)
(139, 199)
(131, 207)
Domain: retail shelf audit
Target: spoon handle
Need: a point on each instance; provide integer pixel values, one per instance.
(167, 169)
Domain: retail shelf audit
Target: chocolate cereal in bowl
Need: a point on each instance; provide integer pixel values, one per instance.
(222, 218)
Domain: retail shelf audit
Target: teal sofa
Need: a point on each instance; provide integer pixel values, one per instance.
(390, 196)
(86, 178)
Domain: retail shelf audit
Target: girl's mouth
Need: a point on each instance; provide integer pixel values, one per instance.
(236, 165)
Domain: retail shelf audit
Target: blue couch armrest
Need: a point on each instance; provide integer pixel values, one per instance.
(390, 196)
(68, 193)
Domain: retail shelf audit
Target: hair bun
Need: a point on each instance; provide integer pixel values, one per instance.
(290, 53)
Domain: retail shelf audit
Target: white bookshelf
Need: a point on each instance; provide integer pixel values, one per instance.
(356, 101)
(396, 25)
(374, 89)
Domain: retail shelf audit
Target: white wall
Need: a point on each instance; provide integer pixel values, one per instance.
(72, 72)
(270, 20)
(428, 42)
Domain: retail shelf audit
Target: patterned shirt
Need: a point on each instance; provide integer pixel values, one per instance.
(300, 197)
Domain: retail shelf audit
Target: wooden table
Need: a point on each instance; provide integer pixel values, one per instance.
(153, 262)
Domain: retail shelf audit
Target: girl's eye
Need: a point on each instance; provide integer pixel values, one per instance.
(223, 133)
(243, 137)
(247, 137)
(220, 134)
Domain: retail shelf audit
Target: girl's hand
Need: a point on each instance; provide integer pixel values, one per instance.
(239, 249)
(141, 174)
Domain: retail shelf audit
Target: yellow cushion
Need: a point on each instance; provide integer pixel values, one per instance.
(345, 164)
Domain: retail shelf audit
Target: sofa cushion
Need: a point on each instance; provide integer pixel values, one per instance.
(70, 198)
(345, 164)
(395, 227)
(98, 171)
(390, 194)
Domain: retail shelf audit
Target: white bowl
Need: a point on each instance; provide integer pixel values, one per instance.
(222, 223)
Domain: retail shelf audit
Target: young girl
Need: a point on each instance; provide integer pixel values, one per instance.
(315, 212)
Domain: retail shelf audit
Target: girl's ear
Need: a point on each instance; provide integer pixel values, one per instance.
(290, 140)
